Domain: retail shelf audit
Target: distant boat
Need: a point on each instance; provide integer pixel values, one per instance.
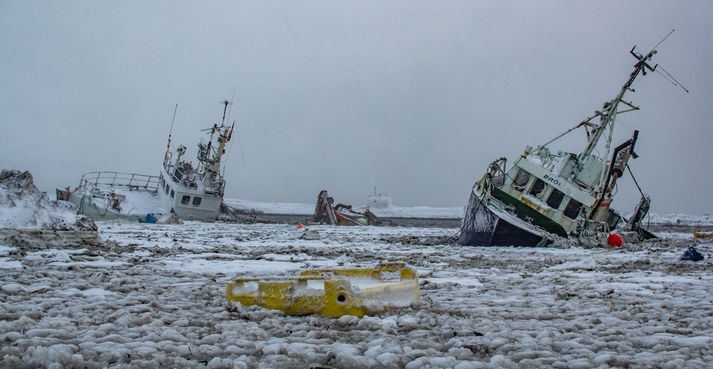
(189, 192)
(545, 195)
(378, 201)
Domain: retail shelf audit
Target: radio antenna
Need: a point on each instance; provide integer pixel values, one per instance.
(661, 71)
(231, 103)
(665, 74)
(663, 39)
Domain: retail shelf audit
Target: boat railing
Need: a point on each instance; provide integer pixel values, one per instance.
(131, 181)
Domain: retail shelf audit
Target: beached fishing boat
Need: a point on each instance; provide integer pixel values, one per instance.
(112, 195)
(546, 195)
(196, 192)
(188, 191)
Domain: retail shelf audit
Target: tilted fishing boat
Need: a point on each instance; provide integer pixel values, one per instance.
(112, 195)
(196, 192)
(545, 195)
(184, 190)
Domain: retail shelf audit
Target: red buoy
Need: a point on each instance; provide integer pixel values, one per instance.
(300, 226)
(615, 240)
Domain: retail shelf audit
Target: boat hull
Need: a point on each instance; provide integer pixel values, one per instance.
(91, 207)
(488, 224)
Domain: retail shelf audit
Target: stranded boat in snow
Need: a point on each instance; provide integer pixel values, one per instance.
(189, 192)
(546, 195)
(196, 193)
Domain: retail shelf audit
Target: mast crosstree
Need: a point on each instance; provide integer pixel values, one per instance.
(611, 107)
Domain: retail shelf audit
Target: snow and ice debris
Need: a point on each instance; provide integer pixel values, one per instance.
(23, 206)
(169, 218)
(161, 303)
(310, 234)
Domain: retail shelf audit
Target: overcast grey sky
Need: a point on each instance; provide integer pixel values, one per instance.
(414, 97)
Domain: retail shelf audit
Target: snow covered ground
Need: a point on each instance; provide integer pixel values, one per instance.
(153, 296)
(681, 219)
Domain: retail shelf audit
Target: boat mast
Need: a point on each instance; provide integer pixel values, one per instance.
(225, 109)
(214, 129)
(223, 137)
(211, 159)
(611, 107)
(170, 131)
(222, 140)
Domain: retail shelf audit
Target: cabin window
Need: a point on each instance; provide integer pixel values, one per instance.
(555, 199)
(521, 180)
(572, 209)
(537, 188)
(185, 199)
(173, 193)
(196, 201)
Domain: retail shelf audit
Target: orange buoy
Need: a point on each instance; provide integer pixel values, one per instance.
(615, 240)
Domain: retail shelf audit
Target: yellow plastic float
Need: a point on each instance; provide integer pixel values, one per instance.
(331, 292)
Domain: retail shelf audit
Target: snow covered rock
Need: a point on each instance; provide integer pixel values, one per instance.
(169, 218)
(23, 206)
(310, 235)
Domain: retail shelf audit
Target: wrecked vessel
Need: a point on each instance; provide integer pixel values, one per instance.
(196, 193)
(546, 196)
(325, 211)
(179, 189)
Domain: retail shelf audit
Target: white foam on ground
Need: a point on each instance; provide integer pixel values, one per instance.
(31, 210)
(158, 300)
(23, 206)
(139, 202)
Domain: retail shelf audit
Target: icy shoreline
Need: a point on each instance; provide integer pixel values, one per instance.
(308, 209)
(154, 297)
(453, 212)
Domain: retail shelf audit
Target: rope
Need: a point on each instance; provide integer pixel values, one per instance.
(635, 181)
